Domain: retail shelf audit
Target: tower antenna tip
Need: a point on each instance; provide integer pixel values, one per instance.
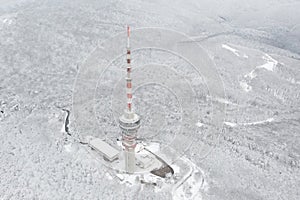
(128, 31)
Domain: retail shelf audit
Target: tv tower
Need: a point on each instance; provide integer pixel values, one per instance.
(129, 122)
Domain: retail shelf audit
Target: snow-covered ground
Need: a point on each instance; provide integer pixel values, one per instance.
(255, 47)
(234, 51)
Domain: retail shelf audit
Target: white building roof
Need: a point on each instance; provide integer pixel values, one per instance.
(104, 148)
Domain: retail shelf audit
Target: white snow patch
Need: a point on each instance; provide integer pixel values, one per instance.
(268, 66)
(259, 122)
(128, 179)
(120, 176)
(225, 101)
(6, 20)
(244, 85)
(134, 179)
(119, 143)
(199, 124)
(251, 75)
(234, 51)
(175, 168)
(153, 147)
(271, 63)
(220, 100)
(231, 124)
(279, 95)
(293, 81)
(231, 49)
(108, 176)
(68, 147)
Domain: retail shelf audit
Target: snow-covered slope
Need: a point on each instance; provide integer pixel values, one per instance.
(254, 44)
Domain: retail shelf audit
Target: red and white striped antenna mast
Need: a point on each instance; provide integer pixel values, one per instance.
(128, 78)
(129, 122)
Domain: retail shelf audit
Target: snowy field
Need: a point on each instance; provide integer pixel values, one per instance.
(255, 46)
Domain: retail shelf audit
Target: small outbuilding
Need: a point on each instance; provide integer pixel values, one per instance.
(105, 149)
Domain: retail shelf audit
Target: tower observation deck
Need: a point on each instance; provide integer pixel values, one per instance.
(129, 122)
